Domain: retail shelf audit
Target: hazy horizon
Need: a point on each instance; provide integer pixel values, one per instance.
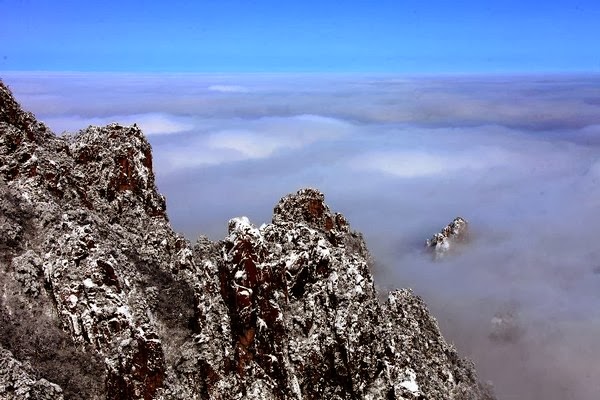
(400, 157)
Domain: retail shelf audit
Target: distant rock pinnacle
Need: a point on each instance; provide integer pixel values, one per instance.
(455, 231)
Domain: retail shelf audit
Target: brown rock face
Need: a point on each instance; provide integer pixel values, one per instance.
(107, 302)
(142, 371)
(70, 245)
(117, 161)
(309, 207)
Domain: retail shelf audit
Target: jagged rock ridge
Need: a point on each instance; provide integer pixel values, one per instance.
(287, 310)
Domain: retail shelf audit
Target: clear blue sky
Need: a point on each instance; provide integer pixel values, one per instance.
(303, 35)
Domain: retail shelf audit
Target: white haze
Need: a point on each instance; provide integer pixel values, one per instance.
(519, 157)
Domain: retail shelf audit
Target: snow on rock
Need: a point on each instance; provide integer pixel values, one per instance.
(410, 382)
(285, 311)
(456, 231)
(306, 277)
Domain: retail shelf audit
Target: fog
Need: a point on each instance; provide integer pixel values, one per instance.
(400, 157)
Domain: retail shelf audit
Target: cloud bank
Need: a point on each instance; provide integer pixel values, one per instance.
(151, 124)
(227, 88)
(519, 157)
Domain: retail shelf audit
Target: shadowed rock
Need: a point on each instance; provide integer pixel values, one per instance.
(18, 381)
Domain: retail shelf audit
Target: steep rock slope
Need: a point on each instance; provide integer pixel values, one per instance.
(101, 299)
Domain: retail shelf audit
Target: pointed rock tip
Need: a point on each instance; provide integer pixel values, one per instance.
(455, 231)
(10, 110)
(118, 159)
(11, 113)
(308, 206)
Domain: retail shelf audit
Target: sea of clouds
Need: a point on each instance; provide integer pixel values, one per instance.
(400, 157)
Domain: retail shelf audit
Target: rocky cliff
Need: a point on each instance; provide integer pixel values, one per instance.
(102, 300)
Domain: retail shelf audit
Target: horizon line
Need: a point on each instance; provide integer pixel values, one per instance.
(406, 74)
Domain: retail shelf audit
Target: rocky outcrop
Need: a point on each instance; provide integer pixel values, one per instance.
(17, 381)
(287, 310)
(455, 232)
(87, 232)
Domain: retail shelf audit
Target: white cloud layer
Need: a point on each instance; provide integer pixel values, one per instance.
(259, 138)
(227, 88)
(417, 164)
(517, 156)
(151, 124)
(263, 137)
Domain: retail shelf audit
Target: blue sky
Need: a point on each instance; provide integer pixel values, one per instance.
(301, 36)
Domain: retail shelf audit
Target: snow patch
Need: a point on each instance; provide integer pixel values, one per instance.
(73, 300)
(124, 310)
(240, 275)
(262, 325)
(88, 283)
(410, 381)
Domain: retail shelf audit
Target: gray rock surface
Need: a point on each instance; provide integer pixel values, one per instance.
(103, 299)
(18, 381)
